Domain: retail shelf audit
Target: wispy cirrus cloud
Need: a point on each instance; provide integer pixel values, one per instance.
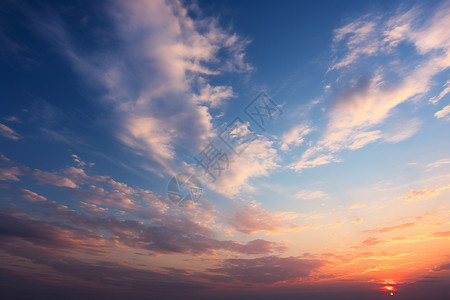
(307, 194)
(439, 163)
(158, 80)
(8, 133)
(294, 136)
(366, 99)
(442, 94)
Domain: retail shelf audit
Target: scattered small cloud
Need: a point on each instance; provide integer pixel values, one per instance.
(8, 133)
(423, 193)
(357, 205)
(307, 194)
(357, 221)
(442, 94)
(439, 163)
(32, 196)
(443, 112)
(294, 136)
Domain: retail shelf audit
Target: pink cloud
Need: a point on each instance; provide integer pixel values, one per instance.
(32, 196)
(53, 179)
(8, 132)
(250, 219)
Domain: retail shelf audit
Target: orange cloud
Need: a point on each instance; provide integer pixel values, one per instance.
(442, 234)
(357, 221)
(423, 193)
(357, 205)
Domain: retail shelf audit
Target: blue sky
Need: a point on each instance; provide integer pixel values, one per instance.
(344, 189)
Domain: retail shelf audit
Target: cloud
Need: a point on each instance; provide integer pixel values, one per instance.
(371, 241)
(8, 170)
(442, 234)
(157, 81)
(442, 268)
(158, 233)
(93, 207)
(397, 227)
(214, 96)
(156, 226)
(402, 132)
(358, 38)
(40, 232)
(306, 194)
(79, 176)
(265, 270)
(250, 219)
(294, 136)
(442, 94)
(8, 132)
(443, 112)
(439, 163)
(53, 179)
(32, 196)
(423, 193)
(357, 205)
(10, 173)
(357, 221)
(74, 275)
(258, 159)
(312, 158)
(364, 100)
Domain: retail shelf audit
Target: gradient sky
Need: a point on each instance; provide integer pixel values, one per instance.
(342, 194)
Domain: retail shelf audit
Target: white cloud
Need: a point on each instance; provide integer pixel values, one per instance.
(294, 136)
(363, 100)
(442, 94)
(443, 112)
(258, 159)
(311, 158)
(214, 96)
(164, 56)
(359, 39)
(439, 163)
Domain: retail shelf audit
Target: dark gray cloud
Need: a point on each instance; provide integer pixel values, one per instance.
(265, 270)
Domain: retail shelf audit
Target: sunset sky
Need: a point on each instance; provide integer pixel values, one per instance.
(310, 138)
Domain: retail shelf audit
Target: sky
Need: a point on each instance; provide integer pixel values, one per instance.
(225, 149)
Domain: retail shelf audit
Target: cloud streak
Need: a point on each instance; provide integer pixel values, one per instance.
(366, 99)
